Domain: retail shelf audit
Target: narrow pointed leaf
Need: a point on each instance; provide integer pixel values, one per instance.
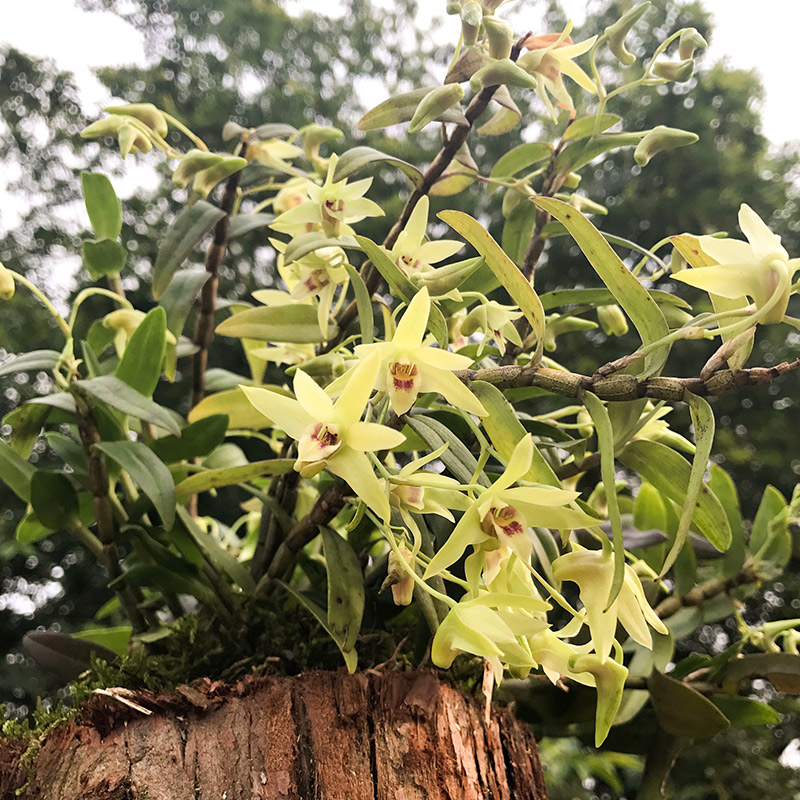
(102, 205)
(183, 235)
(345, 588)
(703, 423)
(401, 108)
(307, 243)
(291, 323)
(351, 161)
(53, 498)
(126, 399)
(148, 472)
(366, 319)
(628, 292)
(670, 473)
(505, 270)
(228, 476)
(196, 440)
(31, 362)
(350, 656)
(15, 472)
(142, 361)
(242, 224)
(683, 711)
(520, 158)
(589, 126)
(605, 444)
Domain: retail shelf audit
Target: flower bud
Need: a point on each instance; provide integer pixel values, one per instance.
(500, 34)
(123, 320)
(502, 72)
(144, 112)
(661, 138)
(585, 423)
(292, 194)
(617, 32)
(453, 7)
(612, 320)
(690, 41)
(314, 136)
(434, 104)
(103, 127)
(677, 71)
(7, 284)
(193, 162)
(397, 577)
(132, 140)
(207, 179)
(471, 16)
(586, 205)
(442, 280)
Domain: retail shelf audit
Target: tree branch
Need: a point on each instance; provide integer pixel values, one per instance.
(619, 387)
(706, 591)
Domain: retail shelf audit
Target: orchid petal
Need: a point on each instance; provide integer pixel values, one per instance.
(442, 359)
(414, 323)
(312, 397)
(286, 413)
(355, 469)
(764, 242)
(518, 465)
(731, 280)
(417, 222)
(371, 436)
(452, 389)
(467, 532)
(433, 252)
(726, 251)
(355, 395)
(551, 516)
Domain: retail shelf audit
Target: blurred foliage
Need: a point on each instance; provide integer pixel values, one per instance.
(250, 62)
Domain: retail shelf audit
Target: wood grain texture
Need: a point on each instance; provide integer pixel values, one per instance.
(320, 735)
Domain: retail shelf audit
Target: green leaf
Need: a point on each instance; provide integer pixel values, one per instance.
(628, 292)
(505, 430)
(722, 485)
(588, 126)
(31, 362)
(53, 499)
(601, 297)
(456, 458)
(518, 230)
(605, 444)
(351, 161)
(742, 711)
(242, 224)
(519, 158)
(177, 301)
(126, 399)
(401, 287)
(196, 440)
(401, 108)
(15, 472)
(703, 423)
(782, 670)
(505, 270)
(183, 235)
(366, 320)
(30, 529)
(345, 588)
(115, 639)
(233, 403)
(103, 257)
(771, 509)
(683, 711)
(307, 243)
(148, 472)
(290, 323)
(102, 205)
(228, 476)
(350, 656)
(69, 451)
(167, 580)
(579, 154)
(26, 423)
(141, 363)
(669, 472)
(216, 554)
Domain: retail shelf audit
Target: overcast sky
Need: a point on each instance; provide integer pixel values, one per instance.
(750, 35)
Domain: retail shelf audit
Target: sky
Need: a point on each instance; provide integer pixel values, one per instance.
(105, 40)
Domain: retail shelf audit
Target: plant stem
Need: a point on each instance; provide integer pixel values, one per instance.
(204, 327)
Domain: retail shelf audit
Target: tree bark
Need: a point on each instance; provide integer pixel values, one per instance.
(377, 735)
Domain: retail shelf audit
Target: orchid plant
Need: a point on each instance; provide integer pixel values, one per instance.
(416, 433)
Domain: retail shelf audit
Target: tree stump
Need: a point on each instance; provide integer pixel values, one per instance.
(370, 736)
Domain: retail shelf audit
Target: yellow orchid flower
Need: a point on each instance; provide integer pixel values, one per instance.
(331, 435)
(495, 321)
(504, 514)
(409, 368)
(330, 207)
(550, 58)
(412, 253)
(274, 153)
(759, 268)
(593, 572)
